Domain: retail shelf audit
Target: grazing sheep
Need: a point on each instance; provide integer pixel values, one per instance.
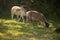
(18, 11)
(34, 15)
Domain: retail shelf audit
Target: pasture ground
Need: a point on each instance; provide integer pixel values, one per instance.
(14, 30)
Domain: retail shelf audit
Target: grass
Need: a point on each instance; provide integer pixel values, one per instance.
(14, 30)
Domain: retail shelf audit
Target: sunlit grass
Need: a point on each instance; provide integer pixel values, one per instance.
(2, 35)
(14, 32)
(33, 39)
(17, 33)
(30, 31)
(51, 25)
(11, 26)
(11, 23)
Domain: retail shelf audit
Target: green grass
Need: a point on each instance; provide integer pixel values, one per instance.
(14, 30)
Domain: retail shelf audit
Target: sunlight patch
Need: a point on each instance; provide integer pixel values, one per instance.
(51, 25)
(10, 21)
(12, 26)
(21, 22)
(33, 39)
(42, 26)
(16, 33)
(2, 34)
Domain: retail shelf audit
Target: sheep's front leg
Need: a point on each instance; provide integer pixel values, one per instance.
(19, 18)
(12, 16)
(23, 19)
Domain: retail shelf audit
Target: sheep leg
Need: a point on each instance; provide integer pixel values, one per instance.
(23, 19)
(12, 16)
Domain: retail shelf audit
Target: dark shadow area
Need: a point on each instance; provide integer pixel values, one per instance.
(57, 30)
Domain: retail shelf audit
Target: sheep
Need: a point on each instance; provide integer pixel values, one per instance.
(35, 15)
(18, 11)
